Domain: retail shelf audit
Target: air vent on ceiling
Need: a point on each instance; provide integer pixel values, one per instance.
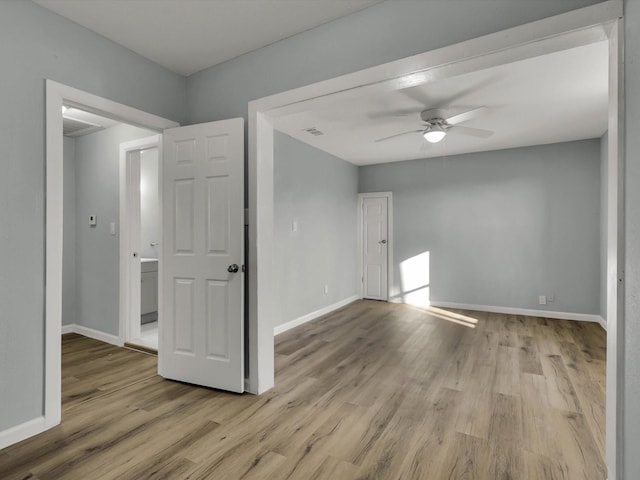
(314, 131)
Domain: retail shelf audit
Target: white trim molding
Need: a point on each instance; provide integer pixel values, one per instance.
(313, 315)
(615, 323)
(68, 328)
(529, 312)
(602, 322)
(92, 333)
(23, 431)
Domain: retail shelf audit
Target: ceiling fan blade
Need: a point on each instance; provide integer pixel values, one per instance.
(465, 92)
(472, 132)
(417, 94)
(464, 116)
(398, 135)
(397, 113)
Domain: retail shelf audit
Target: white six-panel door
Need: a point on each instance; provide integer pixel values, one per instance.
(375, 247)
(201, 328)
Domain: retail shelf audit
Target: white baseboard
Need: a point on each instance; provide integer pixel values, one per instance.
(69, 328)
(91, 333)
(23, 431)
(313, 315)
(602, 322)
(581, 317)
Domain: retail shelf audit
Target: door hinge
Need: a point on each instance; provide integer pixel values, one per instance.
(242, 268)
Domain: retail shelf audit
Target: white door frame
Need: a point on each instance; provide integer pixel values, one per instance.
(130, 234)
(615, 321)
(389, 197)
(571, 29)
(56, 95)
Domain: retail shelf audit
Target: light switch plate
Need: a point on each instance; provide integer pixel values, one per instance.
(93, 220)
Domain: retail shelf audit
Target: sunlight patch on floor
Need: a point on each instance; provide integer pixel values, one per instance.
(453, 317)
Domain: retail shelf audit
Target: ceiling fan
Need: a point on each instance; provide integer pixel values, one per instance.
(437, 123)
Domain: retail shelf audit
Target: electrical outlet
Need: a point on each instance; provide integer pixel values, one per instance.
(551, 298)
(542, 299)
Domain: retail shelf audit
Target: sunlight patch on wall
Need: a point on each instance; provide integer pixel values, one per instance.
(414, 278)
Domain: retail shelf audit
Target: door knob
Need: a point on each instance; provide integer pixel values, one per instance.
(232, 268)
(382, 241)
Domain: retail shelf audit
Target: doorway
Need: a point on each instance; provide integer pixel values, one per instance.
(91, 281)
(58, 95)
(202, 178)
(140, 242)
(582, 27)
(375, 235)
(212, 154)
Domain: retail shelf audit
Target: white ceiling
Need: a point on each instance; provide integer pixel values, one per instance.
(553, 98)
(187, 36)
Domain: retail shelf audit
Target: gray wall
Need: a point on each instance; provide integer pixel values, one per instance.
(319, 192)
(69, 233)
(97, 251)
(149, 203)
(501, 227)
(631, 181)
(604, 159)
(36, 44)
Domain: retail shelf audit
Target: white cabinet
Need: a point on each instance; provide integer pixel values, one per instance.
(149, 286)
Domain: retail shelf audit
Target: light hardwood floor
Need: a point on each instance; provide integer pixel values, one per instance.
(372, 391)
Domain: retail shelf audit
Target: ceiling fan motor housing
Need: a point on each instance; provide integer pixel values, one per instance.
(433, 115)
(437, 124)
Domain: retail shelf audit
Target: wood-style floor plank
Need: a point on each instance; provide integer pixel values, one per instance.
(371, 391)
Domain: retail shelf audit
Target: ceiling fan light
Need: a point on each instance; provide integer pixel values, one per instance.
(434, 134)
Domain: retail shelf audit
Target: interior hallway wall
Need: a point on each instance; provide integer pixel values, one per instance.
(319, 192)
(97, 251)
